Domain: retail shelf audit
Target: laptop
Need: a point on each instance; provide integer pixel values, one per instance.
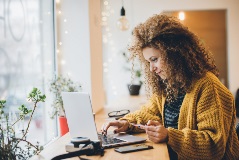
(81, 121)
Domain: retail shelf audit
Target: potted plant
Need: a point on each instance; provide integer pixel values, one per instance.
(136, 75)
(11, 143)
(58, 85)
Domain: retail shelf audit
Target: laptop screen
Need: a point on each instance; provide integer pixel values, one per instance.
(79, 115)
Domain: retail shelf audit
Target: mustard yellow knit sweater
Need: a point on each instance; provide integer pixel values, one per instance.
(206, 124)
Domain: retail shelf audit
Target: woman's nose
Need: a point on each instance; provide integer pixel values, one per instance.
(152, 68)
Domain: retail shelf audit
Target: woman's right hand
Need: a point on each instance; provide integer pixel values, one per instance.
(121, 125)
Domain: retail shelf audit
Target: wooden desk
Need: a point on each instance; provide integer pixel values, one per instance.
(160, 151)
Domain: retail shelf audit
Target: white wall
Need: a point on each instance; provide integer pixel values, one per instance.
(75, 48)
(138, 11)
(81, 52)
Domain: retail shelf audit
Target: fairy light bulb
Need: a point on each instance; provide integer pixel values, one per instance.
(123, 23)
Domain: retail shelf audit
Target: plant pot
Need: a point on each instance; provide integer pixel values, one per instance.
(63, 125)
(134, 89)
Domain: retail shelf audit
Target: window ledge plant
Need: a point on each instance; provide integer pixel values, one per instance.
(58, 85)
(10, 142)
(136, 74)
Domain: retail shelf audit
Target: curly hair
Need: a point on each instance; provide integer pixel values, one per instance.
(185, 56)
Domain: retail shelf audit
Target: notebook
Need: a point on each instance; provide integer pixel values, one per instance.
(81, 121)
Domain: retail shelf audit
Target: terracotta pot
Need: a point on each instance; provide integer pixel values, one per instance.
(63, 125)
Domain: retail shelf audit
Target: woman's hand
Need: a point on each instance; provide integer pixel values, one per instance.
(156, 132)
(122, 126)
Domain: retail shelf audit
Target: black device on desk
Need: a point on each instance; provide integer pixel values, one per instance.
(133, 148)
(89, 148)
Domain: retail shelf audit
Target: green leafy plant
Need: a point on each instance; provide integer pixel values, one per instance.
(58, 85)
(10, 142)
(135, 69)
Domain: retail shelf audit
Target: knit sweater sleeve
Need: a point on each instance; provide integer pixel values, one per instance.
(150, 111)
(213, 116)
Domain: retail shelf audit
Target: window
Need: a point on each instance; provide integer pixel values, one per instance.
(27, 61)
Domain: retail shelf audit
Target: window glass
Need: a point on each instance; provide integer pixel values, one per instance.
(27, 61)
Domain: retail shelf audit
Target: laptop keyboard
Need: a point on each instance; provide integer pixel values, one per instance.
(109, 139)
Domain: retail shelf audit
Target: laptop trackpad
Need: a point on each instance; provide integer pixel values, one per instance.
(129, 138)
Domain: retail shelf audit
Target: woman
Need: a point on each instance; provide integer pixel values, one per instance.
(189, 108)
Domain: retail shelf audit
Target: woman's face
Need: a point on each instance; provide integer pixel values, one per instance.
(152, 55)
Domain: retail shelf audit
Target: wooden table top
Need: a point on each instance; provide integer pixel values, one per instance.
(57, 147)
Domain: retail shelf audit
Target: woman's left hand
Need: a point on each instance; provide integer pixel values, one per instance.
(156, 132)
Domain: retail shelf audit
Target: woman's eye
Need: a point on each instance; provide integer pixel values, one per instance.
(154, 59)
